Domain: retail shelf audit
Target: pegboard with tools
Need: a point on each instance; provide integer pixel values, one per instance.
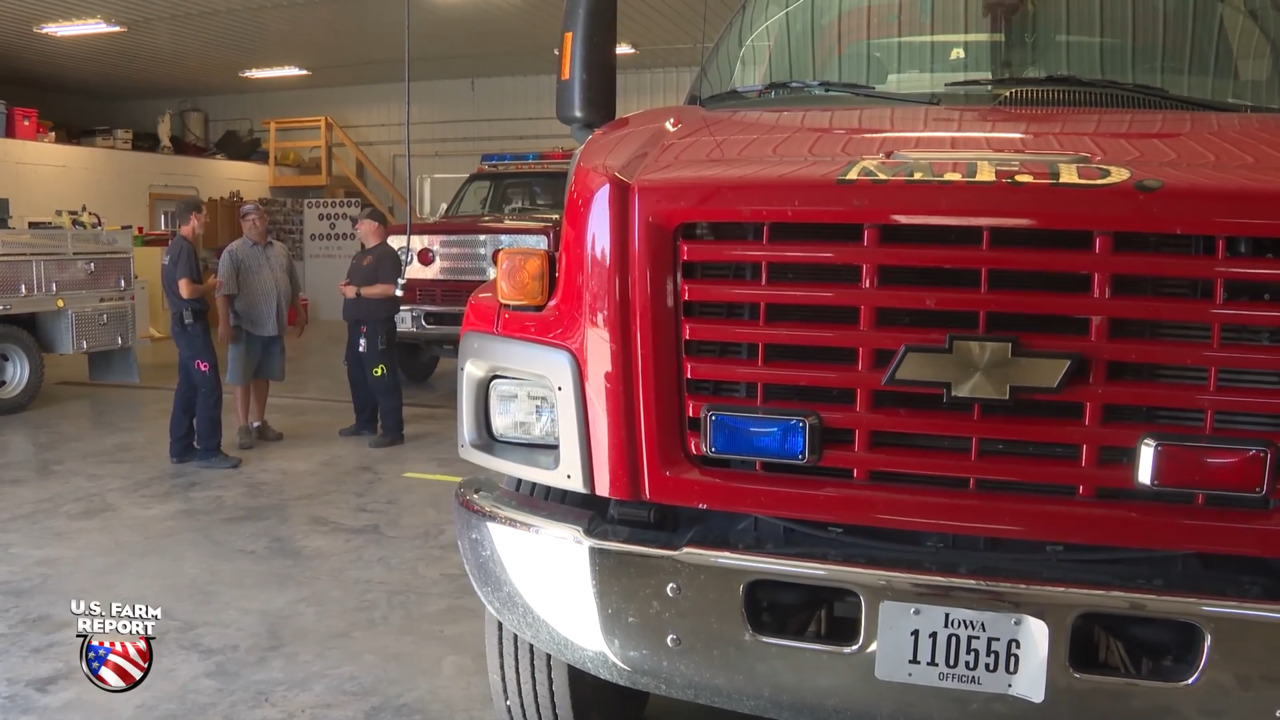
(285, 223)
(329, 242)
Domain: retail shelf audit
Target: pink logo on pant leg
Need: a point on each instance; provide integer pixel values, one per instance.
(202, 366)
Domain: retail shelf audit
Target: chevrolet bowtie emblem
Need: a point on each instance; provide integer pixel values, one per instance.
(979, 368)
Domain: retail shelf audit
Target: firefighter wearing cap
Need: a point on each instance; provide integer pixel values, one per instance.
(260, 283)
(369, 308)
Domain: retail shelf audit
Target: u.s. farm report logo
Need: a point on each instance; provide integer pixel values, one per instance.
(116, 652)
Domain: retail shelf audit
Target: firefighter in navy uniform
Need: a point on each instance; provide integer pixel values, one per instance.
(369, 309)
(195, 426)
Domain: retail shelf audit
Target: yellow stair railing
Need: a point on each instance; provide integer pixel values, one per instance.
(357, 169)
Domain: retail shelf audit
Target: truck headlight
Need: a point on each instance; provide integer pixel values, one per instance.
(523, 411)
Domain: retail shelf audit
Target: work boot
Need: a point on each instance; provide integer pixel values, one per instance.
(264, 431)
(386, 441)
(221, 461)
(357, 431)
(245, 437)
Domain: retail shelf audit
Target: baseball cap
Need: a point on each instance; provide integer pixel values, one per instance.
(370, 213)
(250, 208)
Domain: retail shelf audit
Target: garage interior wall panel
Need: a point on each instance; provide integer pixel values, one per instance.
(453, 121)
(39, 178)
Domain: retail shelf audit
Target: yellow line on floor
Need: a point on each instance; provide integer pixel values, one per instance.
(429, 476)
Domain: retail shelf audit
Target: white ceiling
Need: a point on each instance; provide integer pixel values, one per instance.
(179, 48)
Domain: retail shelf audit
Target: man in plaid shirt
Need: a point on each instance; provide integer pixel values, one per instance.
(259, 284)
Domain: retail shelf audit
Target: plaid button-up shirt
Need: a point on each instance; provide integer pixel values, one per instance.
(262, 282)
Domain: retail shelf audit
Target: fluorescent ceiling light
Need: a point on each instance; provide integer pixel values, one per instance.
(622, 49)
(287, 71)
(79, 27)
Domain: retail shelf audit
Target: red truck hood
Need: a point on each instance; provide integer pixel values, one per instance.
(1177, 167)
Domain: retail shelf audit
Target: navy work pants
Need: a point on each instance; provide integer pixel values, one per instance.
(374, 376)
(196, 422)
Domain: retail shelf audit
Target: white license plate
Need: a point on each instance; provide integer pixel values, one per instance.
(404, 321)
(946, 647)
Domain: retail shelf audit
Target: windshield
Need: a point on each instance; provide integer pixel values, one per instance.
(1213, 49)
(510, 194)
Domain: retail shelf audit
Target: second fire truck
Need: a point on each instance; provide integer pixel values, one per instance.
(511, 200)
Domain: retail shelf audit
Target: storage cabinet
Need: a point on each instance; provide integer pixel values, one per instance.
(82, 330)
(17, 278)
(86, 274)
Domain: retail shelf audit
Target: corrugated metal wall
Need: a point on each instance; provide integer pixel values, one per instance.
(453, 121)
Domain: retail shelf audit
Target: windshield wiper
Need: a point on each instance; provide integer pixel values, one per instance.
(1089, 82)
(827, 85)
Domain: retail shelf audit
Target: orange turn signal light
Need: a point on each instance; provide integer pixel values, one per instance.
(524, 276)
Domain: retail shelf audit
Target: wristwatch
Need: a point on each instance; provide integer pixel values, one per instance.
(357, 291)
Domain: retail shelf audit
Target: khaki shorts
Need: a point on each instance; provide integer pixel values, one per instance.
(254, 357)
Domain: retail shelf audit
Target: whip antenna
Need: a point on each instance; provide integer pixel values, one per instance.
(702, 50)
(408, 158)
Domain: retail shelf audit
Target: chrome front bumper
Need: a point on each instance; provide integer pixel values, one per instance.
(422, 323)
(672, 623)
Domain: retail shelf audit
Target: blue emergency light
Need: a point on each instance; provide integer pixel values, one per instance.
(499, 158)
(760, 436)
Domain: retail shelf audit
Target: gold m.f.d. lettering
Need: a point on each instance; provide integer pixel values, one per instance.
(984, 172)
(1069, 174)
(882, 172)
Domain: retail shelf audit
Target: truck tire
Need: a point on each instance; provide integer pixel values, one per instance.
(21, 369)
(528, 684)
(417, 362)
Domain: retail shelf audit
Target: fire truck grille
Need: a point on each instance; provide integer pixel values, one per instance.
(462, 257)
(1176, 333)
(442, 294)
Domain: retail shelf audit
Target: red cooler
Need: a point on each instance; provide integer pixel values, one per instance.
(293, 315)
(23, 124)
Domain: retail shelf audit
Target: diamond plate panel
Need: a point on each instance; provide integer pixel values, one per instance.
(82, 330)
(102, 328)
(17, 278)
(86, 274)
(462, 257)
(61, 242)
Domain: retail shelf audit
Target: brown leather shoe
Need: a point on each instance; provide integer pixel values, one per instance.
(267, 433)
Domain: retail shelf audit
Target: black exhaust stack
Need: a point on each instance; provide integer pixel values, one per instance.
(587, 82)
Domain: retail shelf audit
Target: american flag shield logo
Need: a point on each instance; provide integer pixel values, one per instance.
(116, 666)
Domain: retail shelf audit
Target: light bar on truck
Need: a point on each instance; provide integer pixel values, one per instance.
(771, 436)
(539, 159)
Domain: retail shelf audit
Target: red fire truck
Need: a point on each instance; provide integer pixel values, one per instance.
(511, 200)
(924, 363)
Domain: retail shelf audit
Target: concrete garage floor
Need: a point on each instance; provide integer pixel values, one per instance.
(314, 582)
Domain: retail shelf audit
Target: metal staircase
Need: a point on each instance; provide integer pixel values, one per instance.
(339, 166)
